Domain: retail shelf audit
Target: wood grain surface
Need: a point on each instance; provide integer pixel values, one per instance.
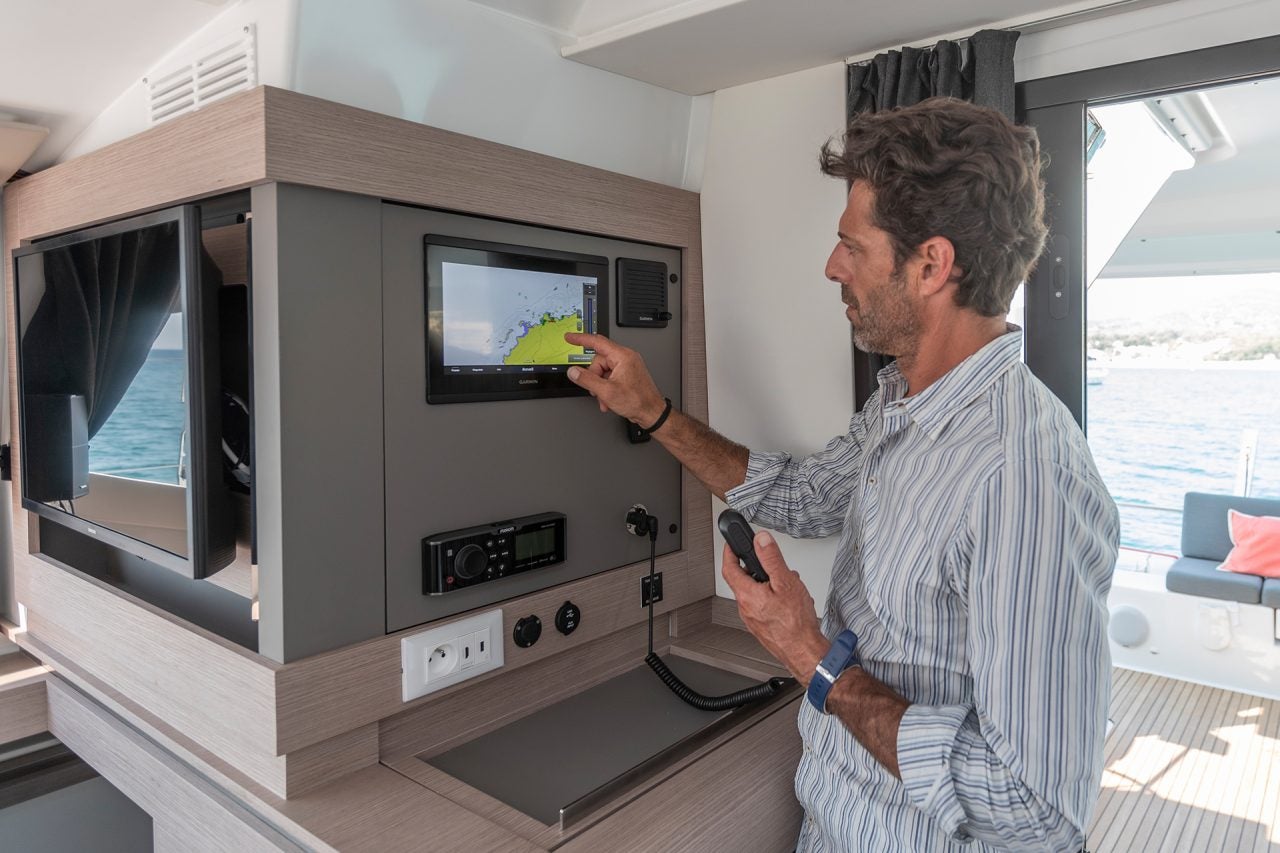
(23, 702)
(155, 780)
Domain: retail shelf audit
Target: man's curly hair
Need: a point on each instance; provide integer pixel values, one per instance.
(948, 168)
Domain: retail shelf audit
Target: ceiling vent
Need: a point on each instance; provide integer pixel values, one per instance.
(216, 71)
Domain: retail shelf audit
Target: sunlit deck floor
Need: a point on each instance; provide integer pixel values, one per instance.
(1188, 768)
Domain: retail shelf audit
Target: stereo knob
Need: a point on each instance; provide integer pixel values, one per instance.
(470, 563)
(527, 631)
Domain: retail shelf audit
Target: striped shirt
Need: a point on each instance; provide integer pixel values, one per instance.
(977, 543)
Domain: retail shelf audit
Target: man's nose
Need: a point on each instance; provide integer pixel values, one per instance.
(832, 271)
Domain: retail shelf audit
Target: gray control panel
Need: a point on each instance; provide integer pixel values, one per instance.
(457, 466)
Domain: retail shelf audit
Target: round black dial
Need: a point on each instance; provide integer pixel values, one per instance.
(470, 563)
(527, 631)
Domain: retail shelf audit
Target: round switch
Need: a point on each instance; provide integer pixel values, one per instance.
(527, 631)
(567, 618)
(470, 563)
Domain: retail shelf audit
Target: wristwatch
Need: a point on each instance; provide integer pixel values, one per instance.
(843, 654)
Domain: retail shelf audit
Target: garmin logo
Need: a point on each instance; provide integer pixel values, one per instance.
(528, 382)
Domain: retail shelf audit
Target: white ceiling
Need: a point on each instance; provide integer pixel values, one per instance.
(65, 61)
(700, 46)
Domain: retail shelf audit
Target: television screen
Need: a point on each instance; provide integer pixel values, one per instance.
(497, 316)
(114, 381)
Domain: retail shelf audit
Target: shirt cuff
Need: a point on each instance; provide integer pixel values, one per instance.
(763, 470)
(926, 737)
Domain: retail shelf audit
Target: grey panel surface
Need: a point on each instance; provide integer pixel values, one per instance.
(462, 464)
(91, 815)
(1271, 592)
(1201, 577)
(317, 336)
(554, 756)
(1204, 522)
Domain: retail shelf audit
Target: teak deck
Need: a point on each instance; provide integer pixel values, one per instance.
(1188, 768)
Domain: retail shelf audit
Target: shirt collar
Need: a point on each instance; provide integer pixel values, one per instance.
(935, 405)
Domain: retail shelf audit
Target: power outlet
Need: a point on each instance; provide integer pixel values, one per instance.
(648, 591)
(444, 656)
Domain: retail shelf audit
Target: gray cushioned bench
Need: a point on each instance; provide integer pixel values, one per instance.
(1206, 542)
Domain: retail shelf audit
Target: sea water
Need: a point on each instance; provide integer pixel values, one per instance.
(142, 440)
(1158, 433)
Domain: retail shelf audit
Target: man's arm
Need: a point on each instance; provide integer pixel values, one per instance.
(1020, 766)
(619, 381)
(806, 497)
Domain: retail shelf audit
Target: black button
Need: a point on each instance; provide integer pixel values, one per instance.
(527, 631)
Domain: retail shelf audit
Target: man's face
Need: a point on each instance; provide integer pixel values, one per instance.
(885, 319)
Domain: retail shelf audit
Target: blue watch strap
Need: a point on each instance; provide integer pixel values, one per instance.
(843, 654)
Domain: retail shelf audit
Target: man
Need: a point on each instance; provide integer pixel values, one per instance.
(976, 538)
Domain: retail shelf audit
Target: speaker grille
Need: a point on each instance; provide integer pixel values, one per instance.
(642, 293)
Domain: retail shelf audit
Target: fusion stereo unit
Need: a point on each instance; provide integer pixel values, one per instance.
(489, 552)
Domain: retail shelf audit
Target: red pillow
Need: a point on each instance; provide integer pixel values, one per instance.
(1257, 544)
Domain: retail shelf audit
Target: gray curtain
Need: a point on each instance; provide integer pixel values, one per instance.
(104, 304)
(900, 78)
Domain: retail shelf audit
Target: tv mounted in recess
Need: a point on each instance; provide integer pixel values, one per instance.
(119, 391)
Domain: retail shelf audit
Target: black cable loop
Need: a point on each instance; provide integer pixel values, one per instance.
(738, 698)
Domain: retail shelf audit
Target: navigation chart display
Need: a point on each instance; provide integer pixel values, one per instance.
(497, 315)
(498, 318)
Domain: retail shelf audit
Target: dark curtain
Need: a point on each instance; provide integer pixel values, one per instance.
(104, 304)
(899, 78)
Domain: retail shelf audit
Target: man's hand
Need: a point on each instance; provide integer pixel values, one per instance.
(618, 379)
(779, 613)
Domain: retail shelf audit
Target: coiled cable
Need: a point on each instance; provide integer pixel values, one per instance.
(738, 698)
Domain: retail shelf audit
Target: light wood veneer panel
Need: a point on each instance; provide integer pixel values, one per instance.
(221, 695)
(373, 808)
(324, 144)
(162, 786)
(327, 694)
(23, 701)
(214, 150)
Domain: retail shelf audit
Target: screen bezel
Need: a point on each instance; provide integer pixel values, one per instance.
(204, 477)
(443, 387)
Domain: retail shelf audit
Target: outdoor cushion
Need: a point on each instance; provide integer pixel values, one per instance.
(1202, 577)
(1204, 522)
(1271, 592)
(1257, 545)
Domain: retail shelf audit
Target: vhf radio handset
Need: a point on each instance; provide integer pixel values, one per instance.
(741, 539)
(640, 523)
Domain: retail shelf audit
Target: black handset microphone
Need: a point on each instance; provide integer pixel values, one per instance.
(741, 539)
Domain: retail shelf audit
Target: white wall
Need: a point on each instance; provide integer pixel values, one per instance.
(778, 366)
(471, 69)
(456, 65)
(778, 350)
(275, 22)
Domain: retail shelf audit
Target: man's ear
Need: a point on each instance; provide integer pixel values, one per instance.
(936, 258)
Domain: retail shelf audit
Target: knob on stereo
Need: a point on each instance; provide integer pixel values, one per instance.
(527, 631)
(470, 562)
